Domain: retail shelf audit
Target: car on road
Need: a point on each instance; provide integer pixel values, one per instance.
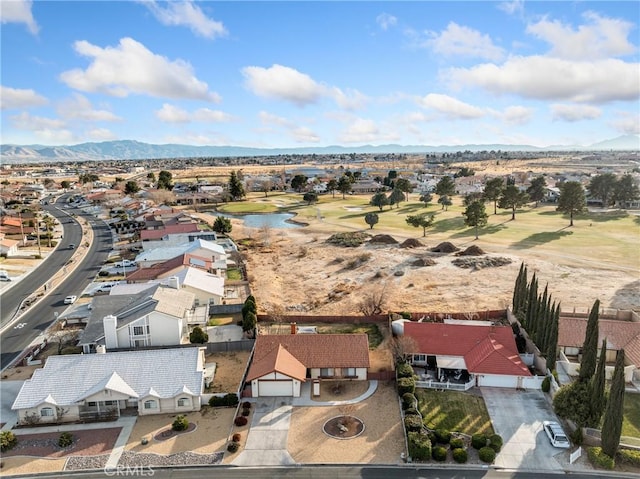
(4, 276)
(556, 434)
(70, 299)
(72, 246)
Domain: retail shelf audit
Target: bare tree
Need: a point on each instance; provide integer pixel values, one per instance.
(160, 197)
(58, 334)
(401, 346)
(374, 301)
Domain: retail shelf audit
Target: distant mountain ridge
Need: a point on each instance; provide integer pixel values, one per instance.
(135, 150)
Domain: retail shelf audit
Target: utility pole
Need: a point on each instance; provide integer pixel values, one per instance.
(38, 232)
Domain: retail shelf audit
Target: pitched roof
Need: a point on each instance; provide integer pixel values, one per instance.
(146, 235)
(201, 280)
(65, 380)
(485, 349)
(158, 269)
(619, 334)
(310, 350)
(279, 360)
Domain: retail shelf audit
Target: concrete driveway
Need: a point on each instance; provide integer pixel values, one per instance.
(517, 416)
(8, 392)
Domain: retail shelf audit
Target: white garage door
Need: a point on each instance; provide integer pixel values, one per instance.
(275, 388)
(498, 381)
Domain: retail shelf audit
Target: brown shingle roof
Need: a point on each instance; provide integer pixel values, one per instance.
(279, 360)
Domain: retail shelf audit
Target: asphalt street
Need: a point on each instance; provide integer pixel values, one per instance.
(40, 316)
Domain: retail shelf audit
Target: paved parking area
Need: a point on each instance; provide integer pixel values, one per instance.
(517, 416)
(8, 392)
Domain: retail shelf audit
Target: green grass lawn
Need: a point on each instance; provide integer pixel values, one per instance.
(234, 274)
(454, 411)
(631, 419)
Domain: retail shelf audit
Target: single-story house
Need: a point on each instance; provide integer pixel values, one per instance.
(281, 362)
(482, 355)
(8, 247)
(99, 386)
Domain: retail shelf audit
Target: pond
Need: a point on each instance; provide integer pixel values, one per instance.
(272, 220)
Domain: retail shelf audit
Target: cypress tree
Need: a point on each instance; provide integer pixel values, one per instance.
(598, 399)
(552, 346)
(590, 346)
(548, 309)
(531, 303)
(515, 302)
(612, 424)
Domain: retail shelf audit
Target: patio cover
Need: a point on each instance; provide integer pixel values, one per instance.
(451, 362)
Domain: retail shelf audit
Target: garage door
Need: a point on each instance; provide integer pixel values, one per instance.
(275, 388)
(498, 381)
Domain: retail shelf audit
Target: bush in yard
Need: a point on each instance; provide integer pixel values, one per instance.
(231, 399)
(198, 336)
(419, 446)
(412, 412)
(443, 436)
(627, 456)
(478, 441)
(599, 458)
(573, 402)
(456, 443)
(236, 437)
(495, 442)
(460, 455)
(233, 447)
(576, 437)
(439, 453)
(432, 437)
(246, 405)
(181, 423)
(246, 412)
(405, 370)
(546, 384)
(241, 421)
(7, 440)
(413, 423)
(408, 401)
(406, 385)
(486, 454)
(65, 439)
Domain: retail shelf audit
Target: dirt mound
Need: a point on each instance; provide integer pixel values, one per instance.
(445, 247)
(481, 263)
(383, 239)
(349, 239)
(411, 243)
(423, 262)
(472, 251)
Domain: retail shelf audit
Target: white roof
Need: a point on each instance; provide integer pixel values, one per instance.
(198, 279)
(451, 362)
(204, 244)
(68, 379)
(170, 252)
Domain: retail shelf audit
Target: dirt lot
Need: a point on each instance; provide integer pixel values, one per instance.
(229, 370)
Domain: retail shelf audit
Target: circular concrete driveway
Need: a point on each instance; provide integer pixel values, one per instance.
(517, 416)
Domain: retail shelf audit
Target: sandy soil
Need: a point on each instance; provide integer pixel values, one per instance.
(30, 465)
(20, 373)
(229, 370)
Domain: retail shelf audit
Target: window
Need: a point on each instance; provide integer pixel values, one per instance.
(326, 372)
(111, 403)
(183, 402)
(420, 358)
(138, 330)
(46, 412)
(92, 404)
(151, 404)
(349, 371)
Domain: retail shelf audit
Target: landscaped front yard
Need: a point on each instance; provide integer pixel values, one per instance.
(454, 411)
(631, 419)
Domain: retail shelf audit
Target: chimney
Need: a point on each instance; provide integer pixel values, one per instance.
(101, 349)
(110, 333)
(293, 328)
(173, 282)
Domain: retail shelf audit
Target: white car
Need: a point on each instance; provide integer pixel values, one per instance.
(556, 434)
(70, 299)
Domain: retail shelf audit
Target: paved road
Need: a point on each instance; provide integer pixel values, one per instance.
(15, 339)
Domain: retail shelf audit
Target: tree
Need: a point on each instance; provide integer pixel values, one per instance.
(475, 215)
(222, 225)
(426, 198)
(164, 180)
(131, 187)
(572, 199)
(602, 187)
(310, 197)
(512, 198)
(344, 185)
(332, 186)
(493, 191)
(373, 301)
(597, 395)
(64, 184)
(249, 321)
(446, 186)
(162, 197)
(464, 171)
(265, 187)
(537, 189)
(371, 219)
(626, 190)
(590, 345)
(552, 341)
(421, 221)
(396, 197)
(88, 178)
(236, 190)
(298, 182)
(198, 336)
(402, 346)
(151, 176)
(445, 201)
(612, 423)
(404, 185)
(380, 200)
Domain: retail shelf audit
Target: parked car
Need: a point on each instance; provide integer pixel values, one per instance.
(4, 276)
(125, 264)
(72, 246)
(556, 434)
(106, 287)
(70, 299)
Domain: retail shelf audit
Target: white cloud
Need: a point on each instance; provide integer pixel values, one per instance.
(351, 100)
(513, 7)
(385, 21)
(602, 37)
(303, 134)
(364, 130)
(627, 123)
(79, 107)
(283, 83)
(517, 115)
(573, 113)
(546, 78)
(13, 98)
(18, 11)
(101, 134)
(173, 114)
(130, 68)
(459, 40)
(299, 133)
(24, 121)
(451, 107)
(186, 13)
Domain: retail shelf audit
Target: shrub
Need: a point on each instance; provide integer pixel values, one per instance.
(7, 440)
(456, 443)
(231, 399)
(432, 437)
(576, 437)
(198, 336)
(413, 423)
(181, 423)
(439, 453)
(236, 437)
(408, 401)
(546, 385)
(241, 421)
(412, 412)
(246, 412)
(572, 402)
(65, 439)
(599, 458)
(405, 370)
(443, 436)
(478, 441)
(486, 454)
(406, 385)
(233, 447)
(419, 446)
(628, 456)
(460, 455)
(495, 442)
(246, 405)
(228, 400)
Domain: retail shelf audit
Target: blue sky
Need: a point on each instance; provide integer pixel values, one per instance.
(294, 74)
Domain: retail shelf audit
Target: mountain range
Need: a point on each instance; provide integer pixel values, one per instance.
(135, 150)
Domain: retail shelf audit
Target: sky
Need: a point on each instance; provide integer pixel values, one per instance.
(302, 73)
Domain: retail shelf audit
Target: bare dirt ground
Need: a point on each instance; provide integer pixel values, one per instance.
(229, 370)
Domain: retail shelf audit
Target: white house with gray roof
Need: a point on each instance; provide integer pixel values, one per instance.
(101, 386)
(199, 247)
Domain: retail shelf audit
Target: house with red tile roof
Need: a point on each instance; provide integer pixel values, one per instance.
(470, 355)
(619, 335)
(282, 362)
